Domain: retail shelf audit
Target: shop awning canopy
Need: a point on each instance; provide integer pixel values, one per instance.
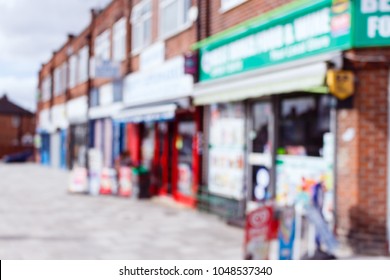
(281, 79)
(146, 114)
(104, 111)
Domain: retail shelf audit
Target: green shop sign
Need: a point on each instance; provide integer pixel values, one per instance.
(371, 23)
(297, 30)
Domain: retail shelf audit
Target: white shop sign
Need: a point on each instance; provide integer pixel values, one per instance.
(106, 94)
(58, 116)
(77, 110)
(44, 121)
(152, 56)
(168, 81)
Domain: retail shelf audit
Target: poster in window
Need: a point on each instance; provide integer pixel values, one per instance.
(299, 176)
(261, 183)
(185, 179)
(226, 152)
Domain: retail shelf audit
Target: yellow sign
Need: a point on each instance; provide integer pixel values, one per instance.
(341, 83)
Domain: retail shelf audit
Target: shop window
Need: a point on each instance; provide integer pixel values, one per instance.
(141, 20)
(303, 122)
(226, 150)
(173, 16)
(119, 40)
(262, 123)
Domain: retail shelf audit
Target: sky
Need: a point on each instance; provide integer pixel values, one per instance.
(30, 30)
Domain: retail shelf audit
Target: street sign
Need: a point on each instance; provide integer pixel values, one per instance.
(107, 69)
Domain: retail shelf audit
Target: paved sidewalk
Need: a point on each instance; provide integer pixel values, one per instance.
(40, 220)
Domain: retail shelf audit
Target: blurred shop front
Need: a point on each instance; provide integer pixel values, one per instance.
(161, 125)
(77, 113)
(277, 93)
(58, 138)
(268, 112)
(44, 129)
(106, 138)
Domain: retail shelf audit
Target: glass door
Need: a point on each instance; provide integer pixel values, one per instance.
(260, 142)
(184, 144)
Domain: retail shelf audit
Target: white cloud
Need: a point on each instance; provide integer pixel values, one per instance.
(30, 30)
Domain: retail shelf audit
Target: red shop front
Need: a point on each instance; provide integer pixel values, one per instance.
(165, 140)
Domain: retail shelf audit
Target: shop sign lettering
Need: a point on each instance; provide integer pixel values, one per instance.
(317, 30)
(372, 23)
(323, 26)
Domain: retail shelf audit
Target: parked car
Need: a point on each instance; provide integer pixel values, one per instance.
(18, 157)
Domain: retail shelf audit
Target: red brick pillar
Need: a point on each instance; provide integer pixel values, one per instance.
(362, 159)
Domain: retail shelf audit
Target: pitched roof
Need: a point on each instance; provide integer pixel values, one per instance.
(9, 108)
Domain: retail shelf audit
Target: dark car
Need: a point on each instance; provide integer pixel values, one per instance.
(18, 157)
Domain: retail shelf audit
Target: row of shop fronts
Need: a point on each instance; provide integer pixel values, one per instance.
(258, 122)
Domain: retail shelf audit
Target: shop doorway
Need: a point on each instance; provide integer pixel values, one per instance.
(185, 159)
(157, 155)
(260, 159)
(164, 158)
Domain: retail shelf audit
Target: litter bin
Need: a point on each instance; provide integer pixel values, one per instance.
(141, 182)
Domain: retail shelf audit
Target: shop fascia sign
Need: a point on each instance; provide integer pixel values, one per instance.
(153, 56)
(372, 23)
(306, 29)
(168, 81)
(310, 30)
(58, 115)
(76, 110)
(45, 124)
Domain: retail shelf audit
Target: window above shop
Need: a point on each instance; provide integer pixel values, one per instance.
(119, 40)
(102, 45)
(174, 17)
(73, 70)
(227, 5)
(141, 20)
(60, 77)
(83, 64)
(46, 88)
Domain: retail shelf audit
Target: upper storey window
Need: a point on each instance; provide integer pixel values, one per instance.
(141, 20)
(119, 40)
(174, 16)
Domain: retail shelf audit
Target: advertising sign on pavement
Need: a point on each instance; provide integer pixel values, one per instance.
(260, 229)
(125, 181)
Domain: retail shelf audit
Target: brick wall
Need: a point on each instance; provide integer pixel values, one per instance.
(362, 162)
(11, 133)
(249, 9)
